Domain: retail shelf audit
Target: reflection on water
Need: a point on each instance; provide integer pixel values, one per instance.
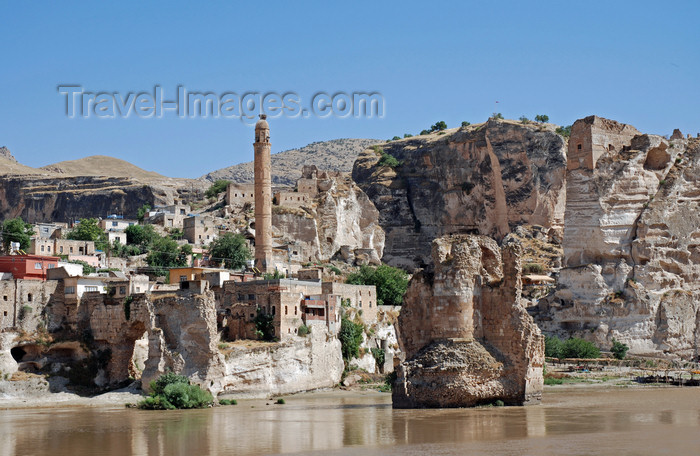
(651, 421)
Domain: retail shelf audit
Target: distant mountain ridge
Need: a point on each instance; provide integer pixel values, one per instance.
(337, 155)
(101, 165)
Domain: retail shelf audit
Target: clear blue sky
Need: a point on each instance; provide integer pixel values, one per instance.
(636, 62)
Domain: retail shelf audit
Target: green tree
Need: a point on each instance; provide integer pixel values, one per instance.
(388, 160)
(264, 325)
(542, 118)
(439, 126)
(465, 123)
(232, 249)
(424, 132)
(497, 116)
(524, 120)
(564, 131)
(142, 211)
(395, 138)
(171, 391)
(89, 230)
(140, 235)
(619, 350)
(16, 230)
(216, 188)
(350, 337)
(407, 135)
(165, 253)
(87, 269)
(553, 347)
(579, 348)
(391, 282)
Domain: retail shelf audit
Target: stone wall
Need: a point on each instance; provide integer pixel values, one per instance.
(465, 333)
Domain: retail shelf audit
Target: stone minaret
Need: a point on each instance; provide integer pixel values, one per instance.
(263, 197)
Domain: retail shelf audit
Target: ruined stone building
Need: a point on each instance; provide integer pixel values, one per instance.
(199, 230)
(292, 303)
(593, 136)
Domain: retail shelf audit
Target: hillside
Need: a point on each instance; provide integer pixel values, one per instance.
(9, 165)
(101, 165)
(338, 155)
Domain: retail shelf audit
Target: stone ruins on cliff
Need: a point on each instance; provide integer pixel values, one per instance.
(631, 251)
(466, 335)
(481, 179)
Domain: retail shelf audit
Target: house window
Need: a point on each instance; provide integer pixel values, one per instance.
(295, 310)
(4, 313)
(360, 304)
(4, 298)
(37, 265)
(29, 297)
(285, 310)
(370, 304)
(51, 266)
(273, 310)
(61, 249)
(578, 147)
(115, 224)
(70, 250)
(42, 248)
(80, 249)
(122, 290)
(48, 248)
(90, 288)
(251, 297)
(70, 290)
(138, 289)
(183, 278)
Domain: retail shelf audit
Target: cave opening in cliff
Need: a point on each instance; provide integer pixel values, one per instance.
(18, 353)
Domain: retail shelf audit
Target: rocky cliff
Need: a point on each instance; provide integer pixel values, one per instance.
(630, 242)
(467, 337)
(340, 219)
(52, 198)
(484, 179)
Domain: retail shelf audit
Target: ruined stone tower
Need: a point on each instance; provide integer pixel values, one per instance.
(263, 196)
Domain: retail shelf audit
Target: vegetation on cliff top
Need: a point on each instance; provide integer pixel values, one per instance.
(571, 348)
(391, 283)
(88, 229)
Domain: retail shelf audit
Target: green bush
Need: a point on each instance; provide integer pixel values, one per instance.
(553, 381)
(216, 188)
(142, 211)
(533, 268)
(388, 160)
(303, 330)
(228, 402)
(264, 326)
(542, 118)
(619, 350)
(379, 356)
(524, 120)
(579, 348)
(497, 116)
(350, 336)
(280, 401)
(564, 131)
(553, 347)
(172, 391)
(439, 126)
(232, 249)
(391, 283)
(465, 123)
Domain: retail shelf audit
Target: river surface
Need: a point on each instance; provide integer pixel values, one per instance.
(571, 421)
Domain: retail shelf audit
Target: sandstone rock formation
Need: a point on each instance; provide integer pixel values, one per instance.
(631, 256)
(342, 219)
(482, 179)
(467, 338)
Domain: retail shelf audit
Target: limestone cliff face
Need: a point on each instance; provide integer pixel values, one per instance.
(482, 179)
(298, 364)
(38, 198)
(342, 218)
(630, 243)
(466, 334)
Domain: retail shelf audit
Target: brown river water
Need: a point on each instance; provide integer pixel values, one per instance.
(570, 421)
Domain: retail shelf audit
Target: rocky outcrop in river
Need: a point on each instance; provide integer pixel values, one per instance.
(467, 337)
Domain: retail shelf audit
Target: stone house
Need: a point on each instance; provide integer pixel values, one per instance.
(239, 194)
(116, 224)
(22, 299)
(292, 199)
(42, 246)
(291, 304)
(50, 230)
(199, 230)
